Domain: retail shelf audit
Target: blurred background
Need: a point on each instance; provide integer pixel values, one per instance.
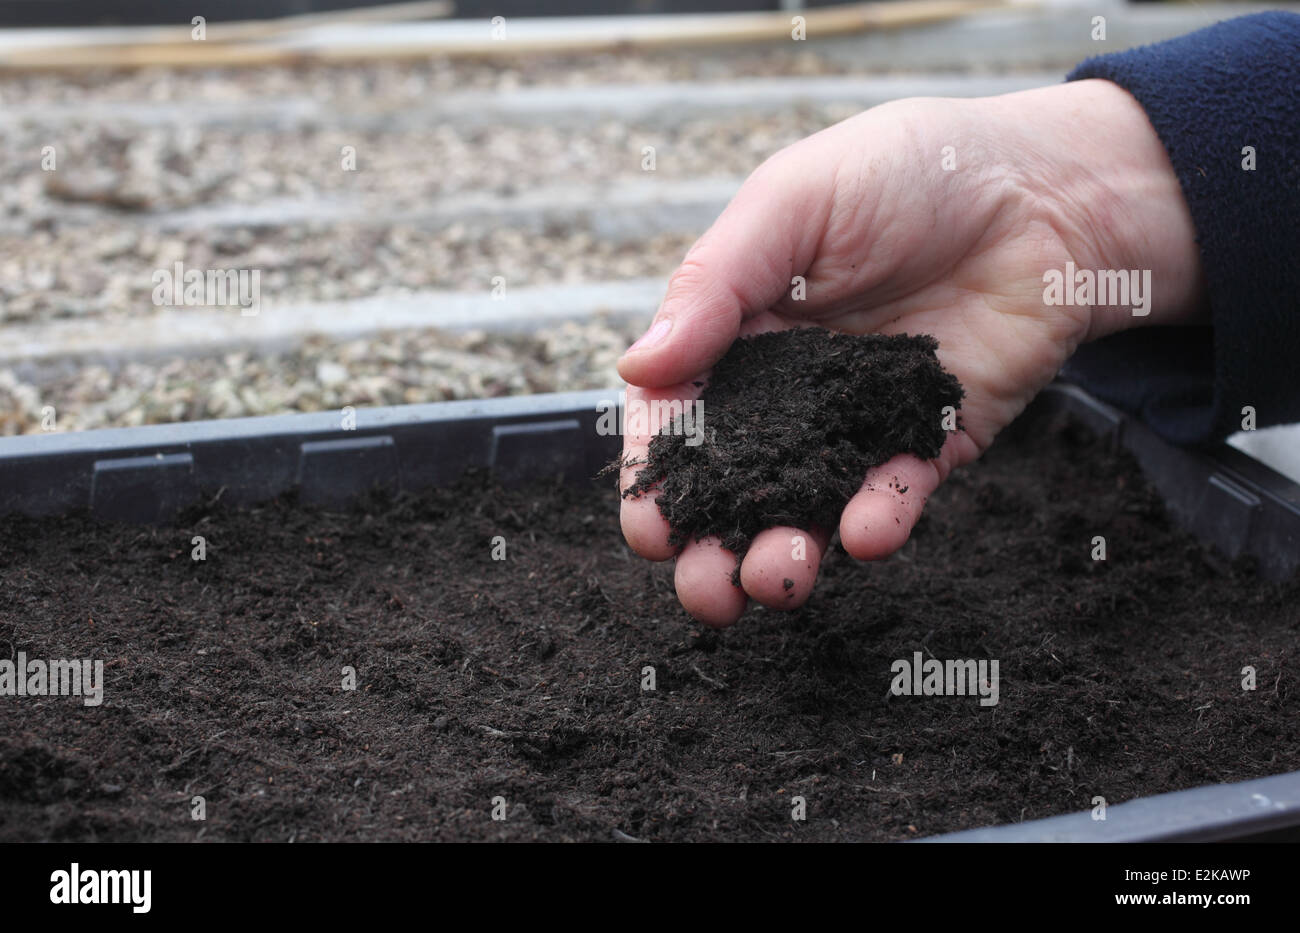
(440, 199)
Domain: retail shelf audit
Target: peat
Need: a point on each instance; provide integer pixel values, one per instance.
(793, 421)
(522, 678)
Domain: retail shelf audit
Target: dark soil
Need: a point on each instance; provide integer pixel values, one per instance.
(522, 679)
(793, 420)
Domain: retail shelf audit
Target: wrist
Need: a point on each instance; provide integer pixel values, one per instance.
(1119, 204)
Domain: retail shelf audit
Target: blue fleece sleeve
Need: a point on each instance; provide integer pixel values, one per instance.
(1210, 95)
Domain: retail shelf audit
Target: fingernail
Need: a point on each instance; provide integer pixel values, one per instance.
(654, 336)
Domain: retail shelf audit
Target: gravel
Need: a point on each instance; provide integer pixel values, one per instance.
(390, 369)
(106, 271)
(390, 83)
(76, 242)
(172, 168)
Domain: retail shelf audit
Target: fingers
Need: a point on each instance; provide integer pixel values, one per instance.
(879, 518)
(780, 567)
(743, 265)
(644, 528)
(703, 581)
(779, 571)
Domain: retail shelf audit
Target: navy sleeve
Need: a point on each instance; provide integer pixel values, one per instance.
(1209, 95)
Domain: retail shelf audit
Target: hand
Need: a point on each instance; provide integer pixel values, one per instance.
(890, 242)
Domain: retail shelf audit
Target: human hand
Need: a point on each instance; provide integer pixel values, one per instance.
(890, 242)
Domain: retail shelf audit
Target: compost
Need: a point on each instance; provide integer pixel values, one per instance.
(520, 687)
(792, 421)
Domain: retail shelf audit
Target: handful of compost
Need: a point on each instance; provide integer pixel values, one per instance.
(796, 418)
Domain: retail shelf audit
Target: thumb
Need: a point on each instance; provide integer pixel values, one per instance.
(741, 266)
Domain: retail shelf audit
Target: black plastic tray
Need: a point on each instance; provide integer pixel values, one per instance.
(146, 474)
